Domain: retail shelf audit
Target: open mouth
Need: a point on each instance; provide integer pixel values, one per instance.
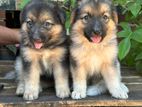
(96, 38)
(38, 44)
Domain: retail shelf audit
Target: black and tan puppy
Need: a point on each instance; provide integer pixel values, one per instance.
(43, 49)
(94, 50)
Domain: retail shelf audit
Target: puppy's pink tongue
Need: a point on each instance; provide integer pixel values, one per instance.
(38, 45)
(96, 39)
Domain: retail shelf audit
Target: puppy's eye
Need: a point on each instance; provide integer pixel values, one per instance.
(48, 25)
(85, 18)
(29, 23)
(105, 18)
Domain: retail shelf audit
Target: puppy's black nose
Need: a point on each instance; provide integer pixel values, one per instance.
(97, 31)
(97, 28)
(36, 38)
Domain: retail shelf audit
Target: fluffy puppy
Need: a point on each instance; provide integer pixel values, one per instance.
(93, 49)
(43, 49)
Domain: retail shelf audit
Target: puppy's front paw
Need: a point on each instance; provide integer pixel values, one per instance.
(62, 92)
(78, 94)
(120, 92)
(20, 89)
(31, 93)
(124, 87)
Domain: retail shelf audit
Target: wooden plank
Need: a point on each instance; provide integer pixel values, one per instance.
(2, 18)
(2, 23)
(48, 99)
(2, 14)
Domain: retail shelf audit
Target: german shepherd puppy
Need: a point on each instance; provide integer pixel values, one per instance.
(93, 50)
(43, 49)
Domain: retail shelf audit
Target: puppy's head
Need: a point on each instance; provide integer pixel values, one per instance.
(94, 19)
(42, 24)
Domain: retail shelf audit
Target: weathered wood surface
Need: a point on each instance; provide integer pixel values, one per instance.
(48, 99)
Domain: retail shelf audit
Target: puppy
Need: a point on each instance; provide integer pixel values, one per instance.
(93, 50)
(43, 49)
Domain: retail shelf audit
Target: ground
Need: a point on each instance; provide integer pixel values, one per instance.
(47, 97)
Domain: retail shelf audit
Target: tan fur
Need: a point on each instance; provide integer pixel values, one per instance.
(31, 16)
(45, 16)
(50, 55)
(115, 17)
(87, 8)
(51, 61)
(49, 58)
(104, 8)
(93, 59)
(34, 62)
(24, 27)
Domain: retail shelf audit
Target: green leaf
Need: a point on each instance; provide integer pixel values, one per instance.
(124, 48)
(73, 2)
(120, 2)
(125, 26)
(137, 35)
(124, 33)
(139, 66)
(139, 56)
(134, 8)
(67, 24)
(139, 1)
(22, 4)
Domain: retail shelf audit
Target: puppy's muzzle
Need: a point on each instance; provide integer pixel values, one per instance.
(97, 31)
(37, 40)
(97, 28)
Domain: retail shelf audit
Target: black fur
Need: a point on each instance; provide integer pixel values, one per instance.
(26, 64)
(95, 24)
(44, 49)
(36, 29)
(73, 62)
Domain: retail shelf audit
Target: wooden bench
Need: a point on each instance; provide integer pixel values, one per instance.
(48, 99)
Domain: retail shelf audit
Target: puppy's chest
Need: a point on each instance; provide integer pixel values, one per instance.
(93, 57)
(45, 56)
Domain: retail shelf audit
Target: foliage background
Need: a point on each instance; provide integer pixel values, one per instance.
(130, 46)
